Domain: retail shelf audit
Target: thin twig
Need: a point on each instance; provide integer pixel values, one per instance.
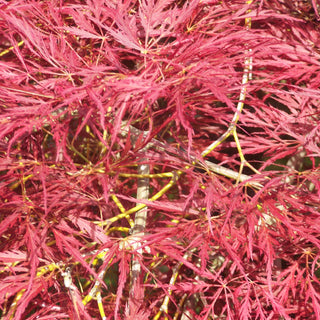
(165, 148)
(175, 273)
(232, 128)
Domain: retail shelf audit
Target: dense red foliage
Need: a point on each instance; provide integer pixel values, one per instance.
(90, 90)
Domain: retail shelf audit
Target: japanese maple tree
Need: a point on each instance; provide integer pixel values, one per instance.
(159, 159)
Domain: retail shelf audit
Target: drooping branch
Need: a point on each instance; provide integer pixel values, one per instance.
(180, 153)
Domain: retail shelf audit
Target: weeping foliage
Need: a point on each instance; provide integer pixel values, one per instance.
(219, 100)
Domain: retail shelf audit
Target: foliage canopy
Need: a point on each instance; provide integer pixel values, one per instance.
(159, 159)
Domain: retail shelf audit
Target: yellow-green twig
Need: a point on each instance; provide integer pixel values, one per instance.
(96, 288)
(150, 175)
(41, 271)
(232, 129)
(141, 205)
(122, 209)
(216, 168)
(100, 306)
(175, 273)
(19, 44)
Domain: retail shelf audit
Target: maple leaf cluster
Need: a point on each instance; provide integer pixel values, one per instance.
(159, 159)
